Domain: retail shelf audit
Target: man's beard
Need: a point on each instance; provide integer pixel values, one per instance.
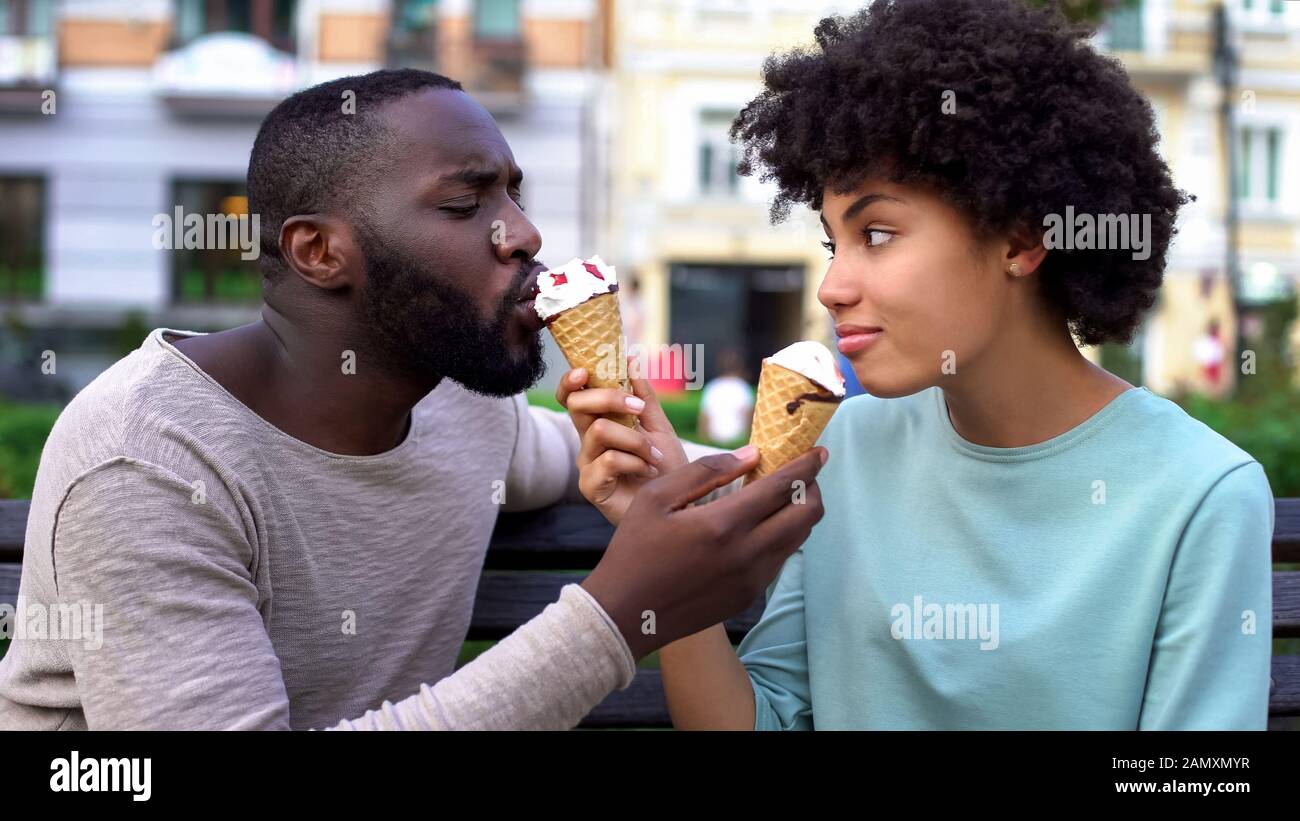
(428, 327)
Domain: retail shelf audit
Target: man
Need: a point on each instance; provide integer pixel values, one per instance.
(285, 523)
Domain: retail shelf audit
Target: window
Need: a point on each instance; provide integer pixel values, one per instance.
(1266, 12)
(1273, 7)
(272, 20)
(1124, 26)
(1259, 165)
(414, 15)
(22, 238)
(27, 17)
(212, 273)
(496, 19)
(718, 156)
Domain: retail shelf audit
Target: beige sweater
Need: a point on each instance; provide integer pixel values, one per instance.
(243, 579)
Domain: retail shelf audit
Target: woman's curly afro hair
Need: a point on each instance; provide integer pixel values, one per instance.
(1041, 122)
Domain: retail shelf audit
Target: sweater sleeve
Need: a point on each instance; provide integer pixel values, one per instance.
(544, 464)
(546, 675)
(178, 641)
(1212, 651)
(165, 573)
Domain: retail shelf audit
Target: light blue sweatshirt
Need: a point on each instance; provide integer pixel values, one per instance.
(1116, 576)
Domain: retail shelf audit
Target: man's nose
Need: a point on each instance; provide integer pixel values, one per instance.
(517, 236)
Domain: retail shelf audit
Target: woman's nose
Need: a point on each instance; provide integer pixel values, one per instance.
(838, 289)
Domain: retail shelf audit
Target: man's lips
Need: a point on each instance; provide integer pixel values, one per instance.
(854, 338)
(524, 304)
(531, 290)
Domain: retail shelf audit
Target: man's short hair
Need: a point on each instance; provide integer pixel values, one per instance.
(314, 147)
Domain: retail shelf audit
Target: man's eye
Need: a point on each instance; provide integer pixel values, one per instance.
(461, 210)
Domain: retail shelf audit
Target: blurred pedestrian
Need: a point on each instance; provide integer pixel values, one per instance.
(727, 404)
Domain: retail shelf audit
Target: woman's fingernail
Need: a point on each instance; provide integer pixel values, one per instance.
(826, 454)
(635, 403)
(656, 453)
(744, 453)
(579, 374)
(654, 471)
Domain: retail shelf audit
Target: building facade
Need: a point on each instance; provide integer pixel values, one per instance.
(113, 112)
(1168, 47)
(712, 269)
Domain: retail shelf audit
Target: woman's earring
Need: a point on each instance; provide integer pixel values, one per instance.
(1014, 269)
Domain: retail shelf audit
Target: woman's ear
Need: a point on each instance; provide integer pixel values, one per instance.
(1025, 252)
(321, 251)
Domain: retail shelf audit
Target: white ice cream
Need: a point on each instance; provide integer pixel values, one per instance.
(572, 284)
(814, 361)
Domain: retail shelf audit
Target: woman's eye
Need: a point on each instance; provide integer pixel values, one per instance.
(829, 246)
(877, 237)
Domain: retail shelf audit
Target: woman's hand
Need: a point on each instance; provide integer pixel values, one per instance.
(615, 461)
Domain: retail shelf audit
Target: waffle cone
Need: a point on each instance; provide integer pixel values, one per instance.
(590, 336)
(778, 434)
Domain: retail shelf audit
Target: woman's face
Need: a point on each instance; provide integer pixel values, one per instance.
(914, 295)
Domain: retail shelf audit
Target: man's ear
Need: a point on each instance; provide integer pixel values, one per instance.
(321, 251)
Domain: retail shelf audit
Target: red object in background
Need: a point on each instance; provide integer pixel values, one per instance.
(668, 376)
(1210, 354)
(1213, 373)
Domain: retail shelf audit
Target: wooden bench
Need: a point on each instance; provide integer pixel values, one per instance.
(533, 555)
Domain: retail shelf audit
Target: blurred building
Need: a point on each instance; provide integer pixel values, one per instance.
(115, 111)
(710, 269)
(1168, 48)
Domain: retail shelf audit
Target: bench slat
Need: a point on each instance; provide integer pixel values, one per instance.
(561, 537)
(13, 528)
(640, 705)
(10, 574)
(1286, 530)
(575, 535)
(1284, 697)
(1286, 605)
(507, 599)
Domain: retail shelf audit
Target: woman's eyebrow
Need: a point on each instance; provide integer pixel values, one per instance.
(865, 200)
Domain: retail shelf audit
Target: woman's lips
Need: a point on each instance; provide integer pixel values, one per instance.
(855, 338)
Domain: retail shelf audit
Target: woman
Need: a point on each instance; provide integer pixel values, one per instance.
(1014, 538)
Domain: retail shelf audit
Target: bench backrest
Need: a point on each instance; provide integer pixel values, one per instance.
(514, 588)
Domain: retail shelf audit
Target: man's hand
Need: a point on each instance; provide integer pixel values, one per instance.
(689, 568)
(615, 461)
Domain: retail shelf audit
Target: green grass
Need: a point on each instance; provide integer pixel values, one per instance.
(23, 431)
(21, 283)
(1267, 427)
(229, 285)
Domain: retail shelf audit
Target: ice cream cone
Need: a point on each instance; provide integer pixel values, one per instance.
(590, 336)
(779, 433)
